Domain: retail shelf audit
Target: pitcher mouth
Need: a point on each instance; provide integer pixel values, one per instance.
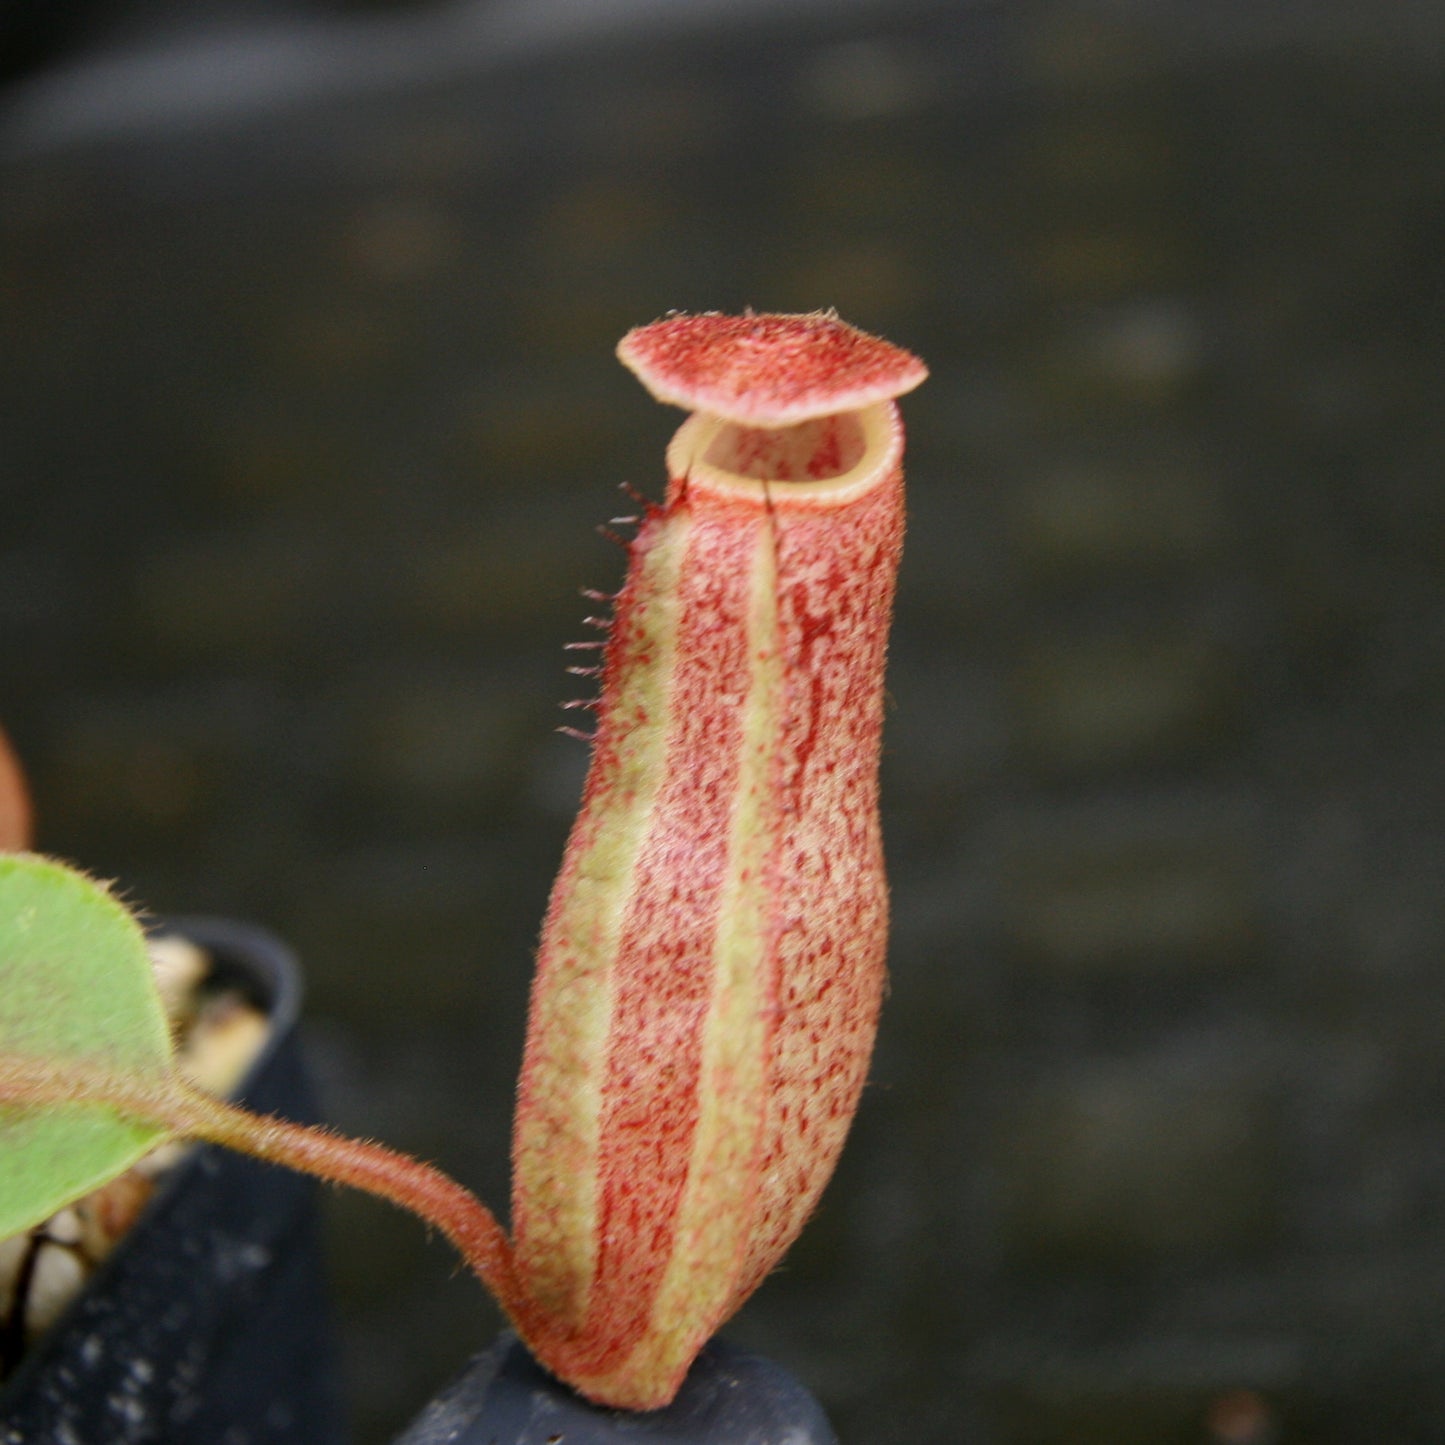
(829, 458)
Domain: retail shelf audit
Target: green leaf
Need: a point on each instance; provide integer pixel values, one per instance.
(76, 989)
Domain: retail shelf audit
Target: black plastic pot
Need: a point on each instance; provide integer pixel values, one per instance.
(208, 1325)
(730, 1397)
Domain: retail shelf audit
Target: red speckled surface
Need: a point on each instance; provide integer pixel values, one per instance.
(768, 370)
(826, 560)
(829, 895)
(666, 960)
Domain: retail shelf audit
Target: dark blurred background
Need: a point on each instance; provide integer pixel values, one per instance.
(308, 409)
